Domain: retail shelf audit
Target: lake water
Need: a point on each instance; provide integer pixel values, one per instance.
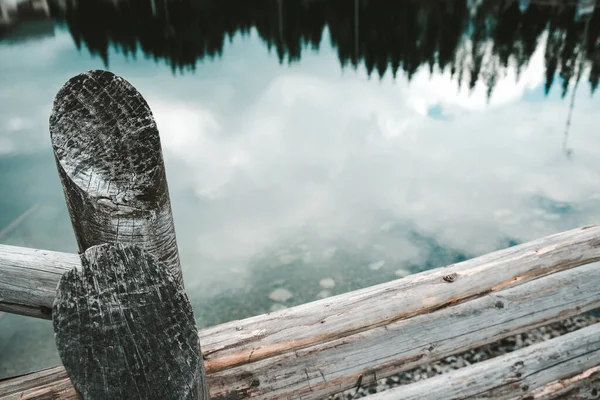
(314, 147)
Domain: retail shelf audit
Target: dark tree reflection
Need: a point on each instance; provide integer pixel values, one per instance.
(477, 45)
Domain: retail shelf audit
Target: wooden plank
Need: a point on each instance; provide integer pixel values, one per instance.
(125, 329)
(29, 277)
(110, 163)
(315, 371)
(511, 376)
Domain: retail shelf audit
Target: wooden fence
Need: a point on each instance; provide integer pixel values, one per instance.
(124, 327)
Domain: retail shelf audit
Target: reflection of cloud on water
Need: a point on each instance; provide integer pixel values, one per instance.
(330, 156)
(257, 154)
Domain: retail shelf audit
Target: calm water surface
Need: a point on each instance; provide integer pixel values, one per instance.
(304, 140)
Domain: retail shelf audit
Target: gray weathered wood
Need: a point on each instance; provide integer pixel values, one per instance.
(125, 329)
(109, 159)
(510, 376)
(400, 345)
(28, 281)
(313, 371)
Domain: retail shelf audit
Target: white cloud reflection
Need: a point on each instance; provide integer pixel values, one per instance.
(338, 156)
(257, 153)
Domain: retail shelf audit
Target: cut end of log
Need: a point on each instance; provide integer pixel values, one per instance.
(124, 328)
(105, 138)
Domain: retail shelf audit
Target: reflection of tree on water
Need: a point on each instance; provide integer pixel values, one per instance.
(585, 9)
(476, 44)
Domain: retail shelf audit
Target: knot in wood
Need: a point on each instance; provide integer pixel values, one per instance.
(450, 278)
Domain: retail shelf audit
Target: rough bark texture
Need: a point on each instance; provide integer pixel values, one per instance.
(511, 376)
(109, 159)
(125, 329)
(353, 358)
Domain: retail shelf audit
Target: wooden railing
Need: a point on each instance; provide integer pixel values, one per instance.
(309, 351)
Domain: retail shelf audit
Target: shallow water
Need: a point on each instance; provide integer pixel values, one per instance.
(314, 147)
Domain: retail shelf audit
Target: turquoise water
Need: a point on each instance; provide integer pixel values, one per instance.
(299, 147)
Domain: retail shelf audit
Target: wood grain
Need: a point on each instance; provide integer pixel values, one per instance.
(29, 277)
(315, 371)
(110, 163)
(510, 376)
(125, 329)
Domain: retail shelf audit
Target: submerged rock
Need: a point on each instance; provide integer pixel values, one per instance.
(401, 273)
(377, 265)
(327, 283)
(281, 295)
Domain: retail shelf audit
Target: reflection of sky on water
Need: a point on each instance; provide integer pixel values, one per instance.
(290, 167)
(256, 152)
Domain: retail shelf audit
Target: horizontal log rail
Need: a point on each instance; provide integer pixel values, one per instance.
(539, 367)
(29, 277)
(324, 347)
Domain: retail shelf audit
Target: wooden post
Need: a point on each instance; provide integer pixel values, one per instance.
(125, 329)
(109, 159)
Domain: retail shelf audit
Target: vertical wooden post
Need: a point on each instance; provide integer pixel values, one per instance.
(125, 329)
(109, 159)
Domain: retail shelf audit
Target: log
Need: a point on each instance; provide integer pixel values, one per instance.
(514, 375)
(110, 163)
(29, 277)
(354, 358)
(125, 329)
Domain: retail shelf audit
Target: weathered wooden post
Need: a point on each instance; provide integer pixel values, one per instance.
(124, 327)
(109, 159)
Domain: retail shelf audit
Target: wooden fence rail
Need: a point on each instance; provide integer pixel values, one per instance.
(330, 345)
(511, 375)
(115, 186)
